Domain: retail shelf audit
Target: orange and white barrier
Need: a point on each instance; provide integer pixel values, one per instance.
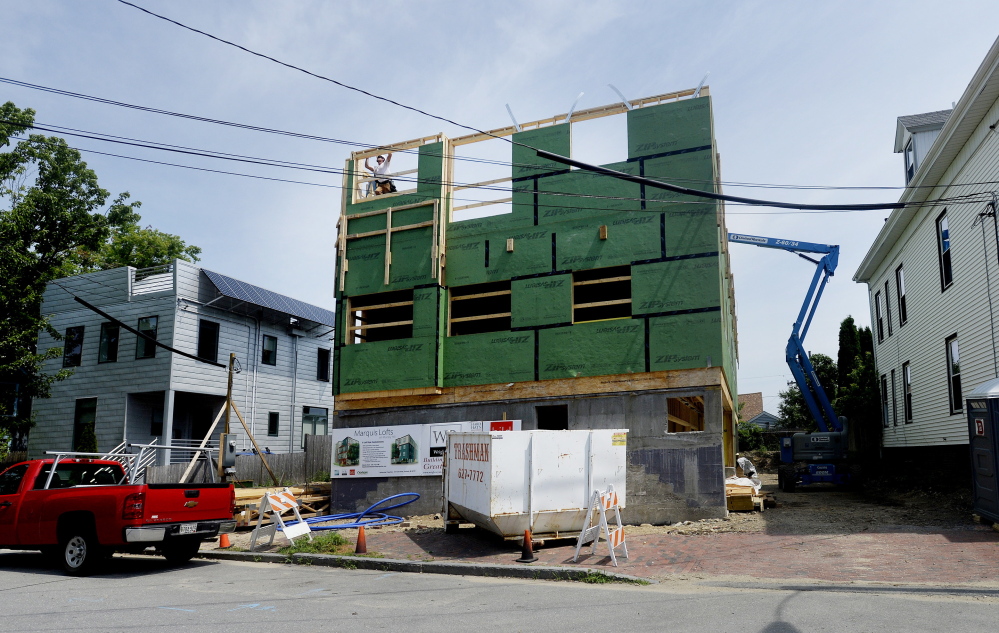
(276, 504)
(603, 503)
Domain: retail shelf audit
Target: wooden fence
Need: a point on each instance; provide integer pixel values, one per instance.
(290, 468)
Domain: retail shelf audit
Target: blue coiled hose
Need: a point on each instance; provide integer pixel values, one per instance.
(373, 516)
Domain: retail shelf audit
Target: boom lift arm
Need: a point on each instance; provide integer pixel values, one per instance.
(797, 359)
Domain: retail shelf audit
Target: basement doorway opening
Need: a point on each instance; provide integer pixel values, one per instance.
(552, 417)
(684, 415)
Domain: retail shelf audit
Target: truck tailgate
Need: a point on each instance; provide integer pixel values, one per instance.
(170, 503)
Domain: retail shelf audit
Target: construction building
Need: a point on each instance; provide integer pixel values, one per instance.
(589, 302)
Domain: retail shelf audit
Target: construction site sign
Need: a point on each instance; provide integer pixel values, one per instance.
(411, 450)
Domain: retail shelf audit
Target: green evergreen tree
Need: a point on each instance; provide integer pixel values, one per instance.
(792, 409)
(849, 350)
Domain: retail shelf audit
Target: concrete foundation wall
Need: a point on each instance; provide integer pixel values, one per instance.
(671, 476)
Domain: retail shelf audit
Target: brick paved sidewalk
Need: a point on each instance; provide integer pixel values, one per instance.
(912, 556)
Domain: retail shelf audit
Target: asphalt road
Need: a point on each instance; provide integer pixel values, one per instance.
(144, 594)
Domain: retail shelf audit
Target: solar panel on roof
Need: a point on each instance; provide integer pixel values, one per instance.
(243, 291)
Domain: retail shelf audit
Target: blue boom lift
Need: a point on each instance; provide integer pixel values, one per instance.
(808, 458)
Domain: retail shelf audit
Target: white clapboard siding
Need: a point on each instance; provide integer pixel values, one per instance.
(134, 389)
(935, 314)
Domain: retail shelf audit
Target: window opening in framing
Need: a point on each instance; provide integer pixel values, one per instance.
(600, 141)
(208, 340)
(907, 392)
(401, 171)
(903, 314)
(601, 294)
(954, 375)
(482, 180)
(273, 423)
(943, 248)
(552, 417)
(684, 415)
(479, 308)
(383, 316)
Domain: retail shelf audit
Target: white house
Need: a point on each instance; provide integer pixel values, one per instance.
(930, 273)
(128, 389)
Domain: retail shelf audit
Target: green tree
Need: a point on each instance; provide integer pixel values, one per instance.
(848, 357)
(55, 220)
(792, 408)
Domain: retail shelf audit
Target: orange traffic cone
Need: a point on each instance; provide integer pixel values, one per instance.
(224, 541)
(362, 542)
(527, 552)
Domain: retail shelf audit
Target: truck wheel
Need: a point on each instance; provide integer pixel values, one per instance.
(786, 478)
(81, 553)
(179, 551)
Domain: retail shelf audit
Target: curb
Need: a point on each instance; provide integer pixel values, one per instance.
(426, 567)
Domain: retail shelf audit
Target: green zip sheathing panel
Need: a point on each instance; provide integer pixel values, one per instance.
(426, 307)
(365, 265)
(599, 348)
(630, 237)
(692, 230)
(466, 257)
(491, 224)
(383, 365)
(685, 341)
(585, 194)
(526, 162)
(475, 359)
(677, 285)
(541, 301)
(411, 259)
(429, 170)
(670, 127)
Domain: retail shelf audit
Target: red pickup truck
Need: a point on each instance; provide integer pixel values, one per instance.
(86, 510)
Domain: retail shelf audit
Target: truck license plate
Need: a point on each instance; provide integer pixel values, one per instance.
(188, 528)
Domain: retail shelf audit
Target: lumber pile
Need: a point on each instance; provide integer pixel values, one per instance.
(314, 499)
(741, 498)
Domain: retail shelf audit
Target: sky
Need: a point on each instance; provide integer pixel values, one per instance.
(803, 94)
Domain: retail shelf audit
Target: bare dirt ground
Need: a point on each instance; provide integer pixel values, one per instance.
(822, 509)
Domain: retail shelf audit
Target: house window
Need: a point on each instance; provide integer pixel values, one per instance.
(884, 400)
(84, 425)
(903, 315)
(894, 401)
(954, 375)
(384, 316)
(107, 352)
(943, 248)
(888, 308)
(479, 308)
(314, 422)
(604, 293)
(273, 423)
(907, 392)
(145, 348)
(323, 365)
(910, 162)
(72, 353)
(208, 340)
(269, 354)
(879, 316)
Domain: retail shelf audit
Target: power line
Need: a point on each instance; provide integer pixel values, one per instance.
(318, 76)
(301, 135)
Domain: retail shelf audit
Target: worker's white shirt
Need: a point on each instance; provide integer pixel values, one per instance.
(381, 170)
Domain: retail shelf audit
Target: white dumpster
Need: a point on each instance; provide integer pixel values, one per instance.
(543, 481)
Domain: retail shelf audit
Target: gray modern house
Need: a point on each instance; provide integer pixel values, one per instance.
(125, 388)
